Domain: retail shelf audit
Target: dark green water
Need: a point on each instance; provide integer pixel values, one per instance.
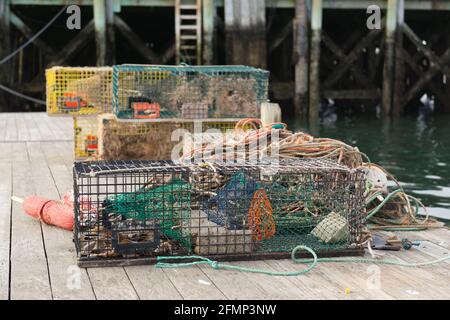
(416, 150)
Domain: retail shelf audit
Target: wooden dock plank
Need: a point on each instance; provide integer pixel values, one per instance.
(11, 129)
(35, 134)
(40, 123)
(45, 168)
(112, 283)
(152, 283)
(414, 283)
(22, 129)
(314, 283)
(193, 284)
(245, 285)
(5, 217)
(29, 271)
(50, 180)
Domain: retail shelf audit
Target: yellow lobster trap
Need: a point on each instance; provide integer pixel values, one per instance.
(78, 90)
(85, 137)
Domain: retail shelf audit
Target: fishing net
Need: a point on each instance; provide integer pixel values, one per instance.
(167, 204)
(190, 92)
(231, 204)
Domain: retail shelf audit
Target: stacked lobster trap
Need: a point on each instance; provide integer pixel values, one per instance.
(188, 92)
(149, 103)
(83, 93)
(140, 140)
(130, 212)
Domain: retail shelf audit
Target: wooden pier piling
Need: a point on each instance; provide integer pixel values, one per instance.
(301, 56)
(314, 66)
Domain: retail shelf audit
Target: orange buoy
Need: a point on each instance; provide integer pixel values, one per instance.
(52, 212)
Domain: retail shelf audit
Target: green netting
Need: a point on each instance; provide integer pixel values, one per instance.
(189, 92)
(168, 204)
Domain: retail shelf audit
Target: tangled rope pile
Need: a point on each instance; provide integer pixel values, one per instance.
(266, 141)
(394, 210)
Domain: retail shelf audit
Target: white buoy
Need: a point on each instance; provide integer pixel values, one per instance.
(270, 113)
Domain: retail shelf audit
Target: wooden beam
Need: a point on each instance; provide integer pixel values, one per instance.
(354, 69)
(136, 41)
(27, 32)
(409, 60)
(301, 56)
(427, 77)
(399, 75)
(314, 67)
(283, 35)
(168, 54)
(100, 31)
(76, 44)
(425, 50)
(350, 59)
(373, 94)
(5, 49)
(209, 18)
(389, 61)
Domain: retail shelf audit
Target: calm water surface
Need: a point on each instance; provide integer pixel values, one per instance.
(416, 150)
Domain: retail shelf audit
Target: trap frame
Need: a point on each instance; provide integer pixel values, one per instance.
(130, 212)
(78, 90)
(188, 92)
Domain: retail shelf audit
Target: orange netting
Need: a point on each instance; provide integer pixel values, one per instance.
(260, 216)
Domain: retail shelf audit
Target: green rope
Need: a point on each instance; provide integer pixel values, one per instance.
(313, 262)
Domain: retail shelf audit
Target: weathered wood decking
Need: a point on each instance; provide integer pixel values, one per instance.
(39, 262)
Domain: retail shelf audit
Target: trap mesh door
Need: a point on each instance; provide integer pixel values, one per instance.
(144, 209)
(188, 92)
(78, 90)
(85, 137)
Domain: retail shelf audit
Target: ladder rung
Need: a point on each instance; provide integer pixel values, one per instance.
(188, 27)
(188, 7)
(188, 17)
(186, 37)
(187, 47)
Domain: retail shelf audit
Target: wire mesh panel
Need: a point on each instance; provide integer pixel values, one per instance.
(78, 90)
(189, 92)
(142, 209)
(140, 140)
(85, 137)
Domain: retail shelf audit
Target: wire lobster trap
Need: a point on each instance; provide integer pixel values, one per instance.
(140, 140)
(85, 137)
(78, 90)
(130, 212)
(188, 92)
